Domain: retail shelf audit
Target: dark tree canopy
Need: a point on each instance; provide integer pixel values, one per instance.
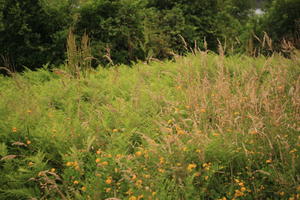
(34, 32)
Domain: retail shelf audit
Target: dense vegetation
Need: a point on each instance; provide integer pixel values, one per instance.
(149, 99)
(203, 127)
(34, 32)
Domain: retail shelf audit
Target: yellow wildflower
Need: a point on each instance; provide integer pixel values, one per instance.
(30, 163)
(133, 177)
(138, 153)
(107, 190)
(83, 188)
(98, 151)
(241, 184)
(281, 193)
(129, 192)
(52, 170)
(138, 182)
(268, 161)
(104, 163)
(28, 142)
(98, 160)
(203, 110)
(132, 198)
(14, 129)
(147, 176)
(161, 170)
(293, 151)
(76, 182)
(192, 166)
(198, 150)
(108, 180)
(161, 160)
(115, 130)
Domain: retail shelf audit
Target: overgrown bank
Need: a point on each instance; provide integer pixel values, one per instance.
(203, 127)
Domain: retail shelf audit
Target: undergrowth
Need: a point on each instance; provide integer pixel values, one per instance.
(202, 127)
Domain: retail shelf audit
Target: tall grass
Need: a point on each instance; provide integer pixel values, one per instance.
(203, 127)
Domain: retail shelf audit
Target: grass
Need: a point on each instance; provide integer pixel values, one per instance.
(202, 127)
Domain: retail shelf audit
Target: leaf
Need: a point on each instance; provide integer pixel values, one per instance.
(19, 144)
(3, 149)
(8, 157)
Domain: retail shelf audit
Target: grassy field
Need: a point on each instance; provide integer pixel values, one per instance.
(202, 127)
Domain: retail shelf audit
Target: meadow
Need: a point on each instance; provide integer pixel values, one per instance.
(203, 126)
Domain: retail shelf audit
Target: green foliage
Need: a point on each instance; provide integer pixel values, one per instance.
(31, 33)
(203, 127)
(282, 20)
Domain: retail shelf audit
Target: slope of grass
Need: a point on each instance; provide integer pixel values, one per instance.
(203, 127)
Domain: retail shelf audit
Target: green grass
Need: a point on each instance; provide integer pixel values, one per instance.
(202, 127)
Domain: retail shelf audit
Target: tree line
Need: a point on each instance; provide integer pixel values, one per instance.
(34, 32)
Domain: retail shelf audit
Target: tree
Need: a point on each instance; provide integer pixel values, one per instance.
(282, 20)
(31, 33)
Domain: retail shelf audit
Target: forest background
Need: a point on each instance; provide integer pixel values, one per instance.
(34, 32)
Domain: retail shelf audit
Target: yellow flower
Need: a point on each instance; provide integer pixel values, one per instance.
(107, 190)
(108, 180)
(83, 188)
(170, 121)
(268, 161)
(203, 110)
(181, 132)
(132, 198)
(138, 153)
(118, 156)
(138, 182)
(30, 163)
(153, 193)
(161, 160)
(129, 192)
(198, 150)
(241, 184)
(147, 176)
(28, 142)
(133, 177)
(197, 174)
(293, 151)
(76, 182)
(238, 193)
(29, 111)
(98, 160)
(98, 152)
(140, 197)
(14, 129)
(52, 170)
(243, 189)
(281, 193)
(104, 163)
(161, 170)
(115, 130)
(192, 166)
